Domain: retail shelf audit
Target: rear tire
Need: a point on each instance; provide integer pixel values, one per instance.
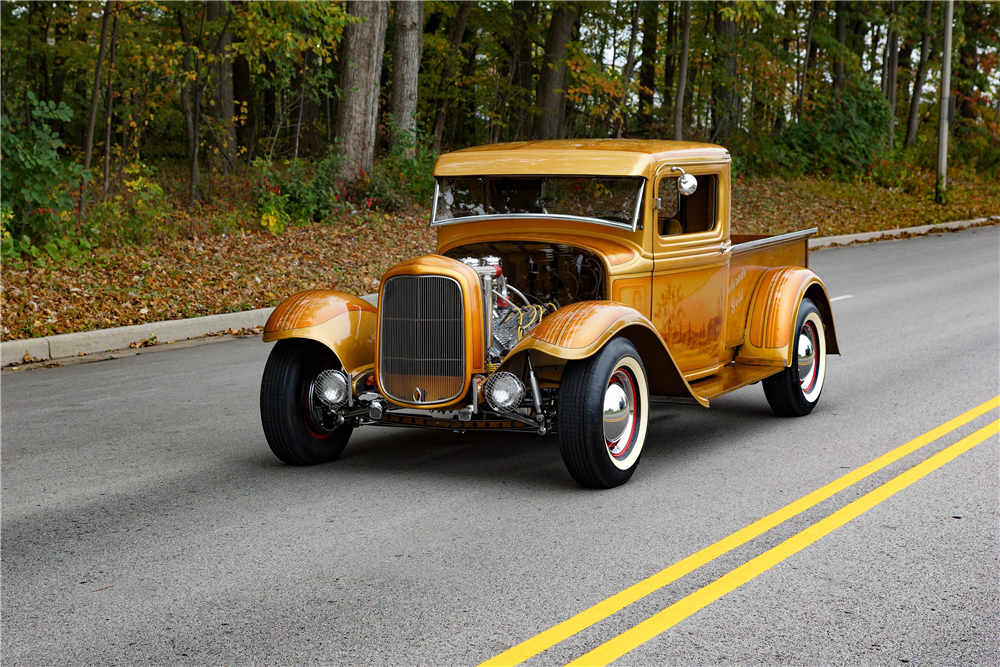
(602, 416)
(299, 433)
(795, 391)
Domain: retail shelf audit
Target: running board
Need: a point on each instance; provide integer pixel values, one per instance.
(730, 378)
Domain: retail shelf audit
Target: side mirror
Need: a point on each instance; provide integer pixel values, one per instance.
(687, 183)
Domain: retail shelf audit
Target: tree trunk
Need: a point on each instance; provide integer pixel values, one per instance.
(841, 33)
(553, 74)
(523, 15)
(300, 84)
(670, 61)
(918, 83)
(887, 53)
(94, 97)
(682, 73)
(407, 47)
(968, 57)
(629, 67)
(360, 71)
(724, 83)
(243, 99)
(191, 104)
(59, 70)
(805, 63)
(892, 69)
(647, 74)
(109, 106)
(223, 109)
(270, 98)
(859, 30)
(457, 35)
(873, 53)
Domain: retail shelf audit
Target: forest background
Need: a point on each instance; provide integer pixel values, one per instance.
(164, 160)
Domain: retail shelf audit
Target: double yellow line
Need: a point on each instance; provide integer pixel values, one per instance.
(680, 610)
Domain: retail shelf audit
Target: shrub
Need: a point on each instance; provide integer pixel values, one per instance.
(844, 135)
(313, 197)
(404, 175)
(273, 214)
(36, 183)
(140, 213)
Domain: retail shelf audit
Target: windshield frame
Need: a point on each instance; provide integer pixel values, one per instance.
(635, 225)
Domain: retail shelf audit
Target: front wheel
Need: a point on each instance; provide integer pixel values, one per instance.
(298, 429)
(602, 415)
(795, 391)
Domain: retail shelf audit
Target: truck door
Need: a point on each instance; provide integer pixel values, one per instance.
(691, 266)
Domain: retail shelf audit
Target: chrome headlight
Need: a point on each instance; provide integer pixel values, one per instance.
(332, 388)
(504, 391)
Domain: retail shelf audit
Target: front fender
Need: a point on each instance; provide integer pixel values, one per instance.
(581, 329)
(773, 312)
(344, 323)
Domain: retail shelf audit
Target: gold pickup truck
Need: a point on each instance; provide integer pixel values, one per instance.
(576, 284)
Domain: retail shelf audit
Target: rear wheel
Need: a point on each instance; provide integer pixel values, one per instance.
(795, 391)
(299, 431)
(602, 416)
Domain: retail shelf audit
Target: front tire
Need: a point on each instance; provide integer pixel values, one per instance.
(795, 391)
(297, 429)
(602, 416)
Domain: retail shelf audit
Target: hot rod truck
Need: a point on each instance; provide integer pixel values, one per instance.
(576, 283)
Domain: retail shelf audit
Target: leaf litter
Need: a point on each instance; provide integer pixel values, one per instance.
(178, 277)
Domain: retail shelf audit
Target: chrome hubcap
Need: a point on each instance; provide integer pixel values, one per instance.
(619, 412)
(808, 365)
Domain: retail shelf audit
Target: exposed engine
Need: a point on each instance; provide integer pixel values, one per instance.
(529, 281)
(510, 322)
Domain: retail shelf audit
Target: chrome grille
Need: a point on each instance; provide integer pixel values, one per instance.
(421, 339)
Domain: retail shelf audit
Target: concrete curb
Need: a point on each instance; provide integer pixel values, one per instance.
(105, 340)
(889, 234)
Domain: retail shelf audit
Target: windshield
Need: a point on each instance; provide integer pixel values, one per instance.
(614, 200)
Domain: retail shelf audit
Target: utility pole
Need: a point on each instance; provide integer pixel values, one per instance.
(942, 162)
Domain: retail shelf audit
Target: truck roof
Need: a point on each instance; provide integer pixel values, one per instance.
(575, 157)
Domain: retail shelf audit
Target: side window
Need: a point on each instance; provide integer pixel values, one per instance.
(687, 214)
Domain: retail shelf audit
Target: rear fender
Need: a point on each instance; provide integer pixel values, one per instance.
(773, 312)
(344, 323)
(582, 329)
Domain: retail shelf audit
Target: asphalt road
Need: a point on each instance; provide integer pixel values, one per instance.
(146, 521)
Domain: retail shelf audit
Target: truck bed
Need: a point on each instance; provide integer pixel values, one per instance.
(791, 249)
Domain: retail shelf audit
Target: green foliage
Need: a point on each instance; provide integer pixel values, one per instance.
(403, 176)
(140, 213)
(977, 146)
(272, 205)
(36, 182)
(16, 250)
(285, 58)
(842, 138)
(301, 192)
(313, 191)
(843, 135)
(902, 171)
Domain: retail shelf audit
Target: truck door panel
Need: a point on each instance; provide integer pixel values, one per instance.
(691, 269)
